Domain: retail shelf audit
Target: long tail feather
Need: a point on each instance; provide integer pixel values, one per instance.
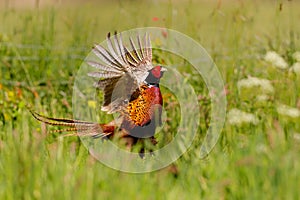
(82, 128)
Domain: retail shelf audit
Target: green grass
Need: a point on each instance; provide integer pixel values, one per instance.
(42, 49)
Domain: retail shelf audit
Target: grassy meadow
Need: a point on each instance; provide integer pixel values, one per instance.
(253, 43)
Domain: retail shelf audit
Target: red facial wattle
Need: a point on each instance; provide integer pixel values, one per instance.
(156, 71)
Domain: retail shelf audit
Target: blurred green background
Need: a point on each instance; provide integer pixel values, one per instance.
(255, 45)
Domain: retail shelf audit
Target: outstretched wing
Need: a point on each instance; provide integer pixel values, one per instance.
(121, 70)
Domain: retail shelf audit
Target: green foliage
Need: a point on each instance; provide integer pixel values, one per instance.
(42, 49)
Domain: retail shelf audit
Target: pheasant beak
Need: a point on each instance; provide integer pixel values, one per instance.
(163, 69)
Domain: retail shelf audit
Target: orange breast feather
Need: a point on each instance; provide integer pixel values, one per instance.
(142, 109)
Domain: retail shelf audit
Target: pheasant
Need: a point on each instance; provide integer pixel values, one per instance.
(130, 85)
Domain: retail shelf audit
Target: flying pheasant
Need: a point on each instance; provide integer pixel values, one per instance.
(130, 85)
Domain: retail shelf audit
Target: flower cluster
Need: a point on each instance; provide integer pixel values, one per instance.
(253, 82)
(296, 68)
(276, 60)
(259, 91)
(253, 88)
(238, 117)
(288, 111)
(296, 56)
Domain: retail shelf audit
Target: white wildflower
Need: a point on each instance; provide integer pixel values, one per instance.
(288, 111)
(296, 136)
(254, 83)
(238, 117)
(276, 60)
(296, 56)
(296, 68)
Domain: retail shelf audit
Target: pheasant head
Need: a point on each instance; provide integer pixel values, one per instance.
(154, 75)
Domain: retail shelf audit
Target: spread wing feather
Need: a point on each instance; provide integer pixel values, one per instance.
(102, 67)
(104, 74)
(121, 71)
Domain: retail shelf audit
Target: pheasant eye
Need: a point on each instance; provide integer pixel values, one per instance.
(156, 71)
